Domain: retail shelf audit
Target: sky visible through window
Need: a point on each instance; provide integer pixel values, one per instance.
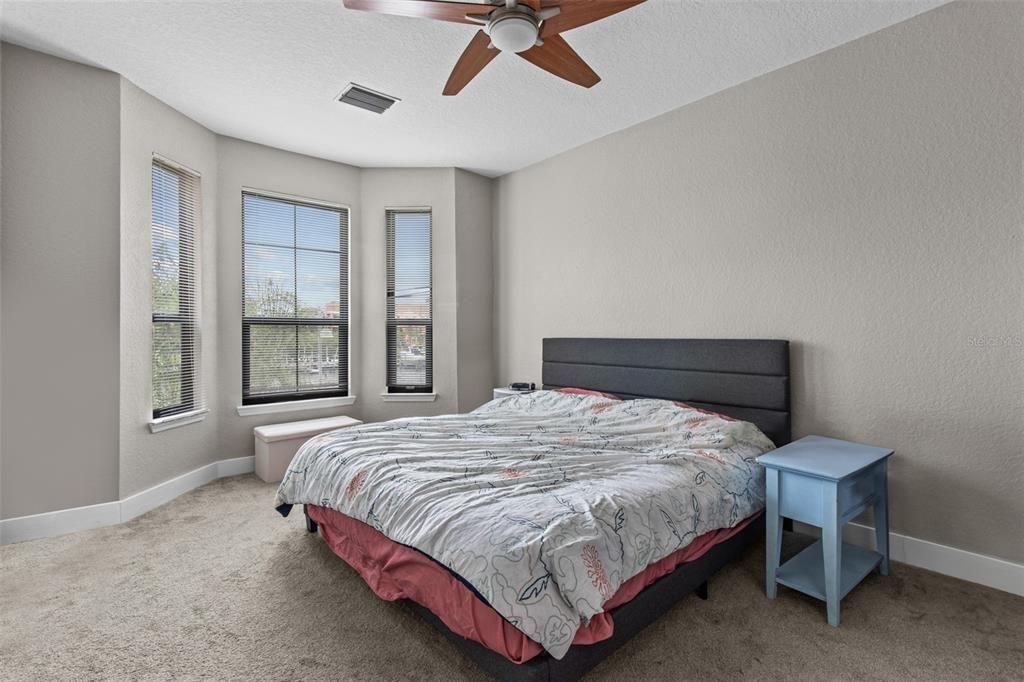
(166, 240)
(295, 248)
(293, 251)
(412, 265)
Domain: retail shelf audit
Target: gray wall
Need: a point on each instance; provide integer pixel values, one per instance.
(1, 291)
(460, 203)
(149, 126)
(60, 283)
(867, 204)
(474, 288)
(253, 166)
(75, 283)
(384, 188)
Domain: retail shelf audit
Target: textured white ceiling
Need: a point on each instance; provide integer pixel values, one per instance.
(270, 71)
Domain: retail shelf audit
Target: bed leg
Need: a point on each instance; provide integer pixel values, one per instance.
(310, 523)
(702, 590)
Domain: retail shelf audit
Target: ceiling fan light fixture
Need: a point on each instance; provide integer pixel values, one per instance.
(530, 28)
(513, 32)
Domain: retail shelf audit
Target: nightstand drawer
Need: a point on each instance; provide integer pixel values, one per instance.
(857, 492)
(802, 498)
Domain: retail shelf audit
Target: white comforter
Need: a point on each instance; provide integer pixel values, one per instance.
(546, 502)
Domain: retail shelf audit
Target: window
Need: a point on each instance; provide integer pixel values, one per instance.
(409, 324)
(295, 315)
(175, 216)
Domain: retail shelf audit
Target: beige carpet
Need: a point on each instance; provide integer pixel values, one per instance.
(217, 586)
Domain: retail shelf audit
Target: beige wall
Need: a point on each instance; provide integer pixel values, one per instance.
(148, 127)
(60, 283)
(867, 204)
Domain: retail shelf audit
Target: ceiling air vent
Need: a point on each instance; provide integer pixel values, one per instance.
(364, 98)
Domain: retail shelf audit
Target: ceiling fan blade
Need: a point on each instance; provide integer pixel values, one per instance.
(474, 58)
(430, 9)
(555, 56)
(576, 13)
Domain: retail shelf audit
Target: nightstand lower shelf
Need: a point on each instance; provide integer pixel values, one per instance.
(806, 571)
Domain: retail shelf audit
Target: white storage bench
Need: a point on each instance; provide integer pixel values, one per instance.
(276, 444)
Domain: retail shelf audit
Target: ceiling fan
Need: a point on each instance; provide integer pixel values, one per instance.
(530, 28)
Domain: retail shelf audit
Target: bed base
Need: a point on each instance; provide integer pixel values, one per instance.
(630, 618)
(743, 378)
(311, 525)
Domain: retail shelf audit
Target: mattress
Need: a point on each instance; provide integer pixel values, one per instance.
(394, 572)
(544, 504)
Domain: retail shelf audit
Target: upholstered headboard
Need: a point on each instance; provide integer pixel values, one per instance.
(743, 378)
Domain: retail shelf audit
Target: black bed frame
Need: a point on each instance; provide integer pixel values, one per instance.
(742, 378)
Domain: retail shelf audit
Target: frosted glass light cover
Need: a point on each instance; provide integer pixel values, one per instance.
(514, 34)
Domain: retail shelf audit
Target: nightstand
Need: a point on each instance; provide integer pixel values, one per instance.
(825, 482)
(504, 391)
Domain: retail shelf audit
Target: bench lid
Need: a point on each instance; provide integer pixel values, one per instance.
(309, 427)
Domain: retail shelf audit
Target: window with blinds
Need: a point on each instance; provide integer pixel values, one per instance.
(175, 217)
(295, 287)
(409, 313)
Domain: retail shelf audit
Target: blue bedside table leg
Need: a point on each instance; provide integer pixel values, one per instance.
(881, 511)
(832, 549)
(773, 543)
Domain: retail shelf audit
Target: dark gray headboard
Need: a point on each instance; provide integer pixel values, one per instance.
(743, 378)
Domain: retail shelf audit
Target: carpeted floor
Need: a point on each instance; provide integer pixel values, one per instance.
(217, 586)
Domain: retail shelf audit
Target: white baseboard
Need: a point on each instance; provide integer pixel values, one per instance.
(235, 467)
(976, 568)
(63, 521)
(958, 563)
(59, 522)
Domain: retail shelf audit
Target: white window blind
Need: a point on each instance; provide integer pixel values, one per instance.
(295, 282)
(175, 218)
(410, 355)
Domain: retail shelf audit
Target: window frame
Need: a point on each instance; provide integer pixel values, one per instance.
(393, 388)
(342, 323)
(188, 305)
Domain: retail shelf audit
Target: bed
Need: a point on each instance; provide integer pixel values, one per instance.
(541, 532)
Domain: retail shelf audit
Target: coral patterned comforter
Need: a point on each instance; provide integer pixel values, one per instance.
(544, 503)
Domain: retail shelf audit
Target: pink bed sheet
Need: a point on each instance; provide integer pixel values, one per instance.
(394, 571)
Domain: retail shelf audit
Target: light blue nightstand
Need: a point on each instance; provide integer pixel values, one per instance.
(825, 482)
